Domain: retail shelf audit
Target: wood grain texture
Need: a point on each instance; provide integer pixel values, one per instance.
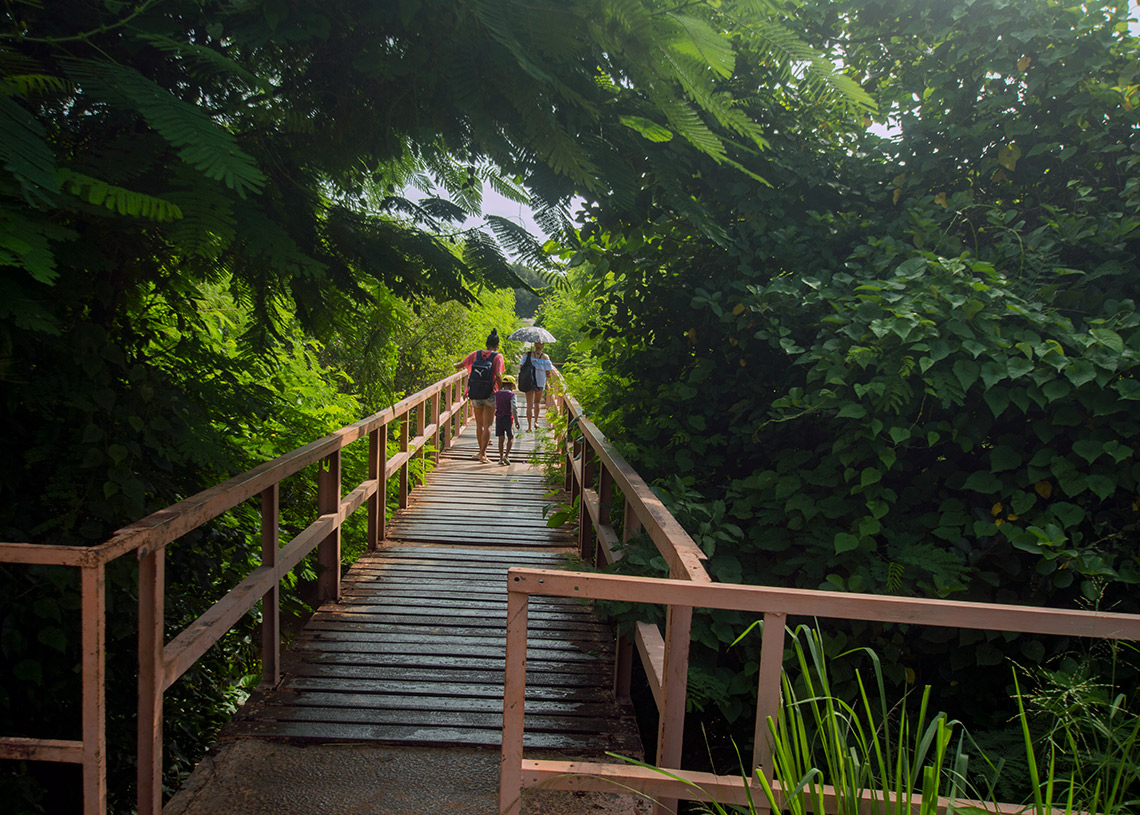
(413, 651)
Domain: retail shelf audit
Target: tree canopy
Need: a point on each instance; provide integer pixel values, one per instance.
(205, 256)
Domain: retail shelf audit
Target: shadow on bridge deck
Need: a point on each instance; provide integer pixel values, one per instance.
(390, 701)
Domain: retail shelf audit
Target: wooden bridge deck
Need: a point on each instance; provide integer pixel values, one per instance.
(413, 652)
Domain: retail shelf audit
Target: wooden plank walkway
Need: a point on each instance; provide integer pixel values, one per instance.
(413, 652)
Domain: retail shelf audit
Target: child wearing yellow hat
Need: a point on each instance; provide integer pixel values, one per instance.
(506, 413)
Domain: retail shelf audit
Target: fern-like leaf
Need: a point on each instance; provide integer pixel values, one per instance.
(117, 199)
(203, 61)
(697, 39)
(31, 85)
(519, 242)
(202, 143)
(25, 153)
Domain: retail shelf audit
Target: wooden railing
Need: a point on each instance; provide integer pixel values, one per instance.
(592, 469)
(438, 412)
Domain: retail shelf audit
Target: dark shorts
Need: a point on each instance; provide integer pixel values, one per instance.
(504, 425)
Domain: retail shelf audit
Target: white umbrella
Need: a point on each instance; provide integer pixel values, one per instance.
(532, 333)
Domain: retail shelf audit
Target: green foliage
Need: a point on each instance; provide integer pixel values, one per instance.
(869, 748)
(910, 366)
(1086, 734)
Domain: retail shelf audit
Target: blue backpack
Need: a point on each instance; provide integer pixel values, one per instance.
(481, 384)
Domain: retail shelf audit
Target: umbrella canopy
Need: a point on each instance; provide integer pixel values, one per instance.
(532, 333)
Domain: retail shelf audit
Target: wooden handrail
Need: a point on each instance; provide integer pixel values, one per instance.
(776, 605)
(665, 657)
(589, 456)
(160, 662)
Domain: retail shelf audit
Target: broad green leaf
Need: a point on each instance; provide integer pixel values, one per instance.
(1055, 390)
(1102, 485)
(966, 372)
(1021, 502)
(1068, 514)
(1020, 397)
(983, 482)
(899, 434)
(1088, 449)
(1004, 458)
(852, 411)
(1118, 451)
(1008, 155)
(1079, 372)
(1018, 366)
(1108, 337)
(992, 373)
(786, 486)
(998, 400)
(845, 542)
(871, 475)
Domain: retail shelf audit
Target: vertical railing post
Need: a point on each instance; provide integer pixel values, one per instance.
(573, 474)
(94, 706)
(404, 467)
(445, 442)
(586, 536)
(421, 430)
(623, 668)
(271, 600)
(623, 658)
(561, 446)
(378, 501)
(631, 524)
(605, 506)
(328, 550)
(768, 689)
(437, 434)
(514, 696)
(152, 660)
(466, 412)
(674, 687)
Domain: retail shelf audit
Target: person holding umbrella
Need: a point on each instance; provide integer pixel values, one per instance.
(532, 370)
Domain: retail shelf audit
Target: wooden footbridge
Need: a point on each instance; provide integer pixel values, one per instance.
(467, 621)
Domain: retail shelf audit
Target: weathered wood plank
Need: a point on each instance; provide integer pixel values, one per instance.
(413, 650)
(395, 734)
(537, 679)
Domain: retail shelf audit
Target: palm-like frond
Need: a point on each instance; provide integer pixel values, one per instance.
(26, 240)
(202, 143)
(202, 61)
(25, 153)
(116, 198)
(519, 242)
(790, 54)
(31, 85)
(698, 40)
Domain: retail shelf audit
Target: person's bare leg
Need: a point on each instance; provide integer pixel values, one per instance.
(531, 410)
(510, 444)
(484, 414)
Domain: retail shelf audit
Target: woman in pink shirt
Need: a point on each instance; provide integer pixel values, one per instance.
(485, 374)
